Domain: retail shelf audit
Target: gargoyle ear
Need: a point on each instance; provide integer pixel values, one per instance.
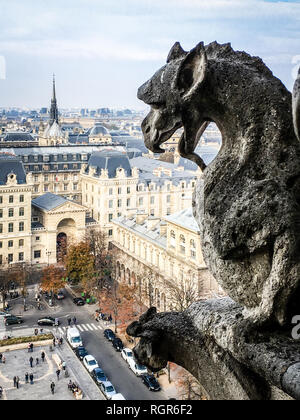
(296, 105)
(192, 71)
(176, 52)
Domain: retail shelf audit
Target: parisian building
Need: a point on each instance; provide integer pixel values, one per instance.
(156, 254)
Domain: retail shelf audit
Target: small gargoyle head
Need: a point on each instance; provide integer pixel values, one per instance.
(149, 349)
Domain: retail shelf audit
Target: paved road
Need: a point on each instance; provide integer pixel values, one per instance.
(91, 331)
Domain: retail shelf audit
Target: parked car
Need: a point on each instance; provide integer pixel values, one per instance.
(59, 295)
(79, 301)
(127, 354)
(74, 337)
(12, 319)
(117, 397)
(106, 317)
(108, 389)
(48, 320)
(99, 375)
(117, 344)
(90, 362)
(150, 382)
(81, 352)
(137, 369)
(4, 315)
(109, 334)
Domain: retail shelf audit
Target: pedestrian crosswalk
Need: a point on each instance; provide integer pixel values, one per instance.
(83, 327)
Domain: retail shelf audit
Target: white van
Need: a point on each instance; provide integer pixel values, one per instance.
(73, 337)
(118, 397)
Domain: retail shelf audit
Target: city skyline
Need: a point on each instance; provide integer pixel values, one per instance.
(102, 51)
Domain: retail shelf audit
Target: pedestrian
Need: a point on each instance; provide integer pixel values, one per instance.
(36, 331)
(17, 382)
(74, 320)
(37, 360)
(69, 321)
(41, 330)
(28, 347)
(31, 361)
(52, 386)
(43, 356)
(26, 377)
(1, 355)
(31, 378)
(61, 340)
(39, 305)
(3, 359)
(63, 365)
(58, 373)
(54, 341)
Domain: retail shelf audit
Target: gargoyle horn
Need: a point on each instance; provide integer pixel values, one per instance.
(176, 52)
(296, 105)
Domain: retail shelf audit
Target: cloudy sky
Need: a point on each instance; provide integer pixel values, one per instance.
(102, 50)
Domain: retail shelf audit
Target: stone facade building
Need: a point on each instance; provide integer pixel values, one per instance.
(114, 185)
(158, 255)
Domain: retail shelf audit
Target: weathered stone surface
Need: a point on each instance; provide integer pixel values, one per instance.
(247, 202)
(213, 341)
(296, 105)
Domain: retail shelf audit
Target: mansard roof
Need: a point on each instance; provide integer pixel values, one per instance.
(184, 218)
(109, 161)
(11, 165)
(18, 137)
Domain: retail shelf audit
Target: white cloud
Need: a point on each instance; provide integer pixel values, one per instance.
(87, 48)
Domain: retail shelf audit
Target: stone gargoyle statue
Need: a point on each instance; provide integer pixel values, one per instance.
(247, 205)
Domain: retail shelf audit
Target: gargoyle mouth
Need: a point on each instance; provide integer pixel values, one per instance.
(154, 137)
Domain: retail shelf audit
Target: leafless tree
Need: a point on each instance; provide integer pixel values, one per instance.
(181, 294)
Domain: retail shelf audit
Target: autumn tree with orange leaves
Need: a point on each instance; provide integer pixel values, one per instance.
(80, 265)
(118, 299)
(52, 279)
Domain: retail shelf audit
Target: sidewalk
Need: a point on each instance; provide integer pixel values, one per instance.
(17, 363)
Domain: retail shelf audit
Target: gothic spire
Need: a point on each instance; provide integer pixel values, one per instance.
(53, 109)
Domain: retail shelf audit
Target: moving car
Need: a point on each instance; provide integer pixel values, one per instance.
(59, 295)
(99, 375)
(108, 389)
(127, 354)
(12, 319)
(90, 362)
(137, 369)
(80, 352)
(79, 301)
(109, 334)
(48, 320)
(118, 397)
(74, 338)
(150, 382)
(117, 344)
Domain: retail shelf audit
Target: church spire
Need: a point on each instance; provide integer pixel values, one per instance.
(53, 109)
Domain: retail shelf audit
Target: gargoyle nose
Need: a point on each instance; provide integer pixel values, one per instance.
(142, 92)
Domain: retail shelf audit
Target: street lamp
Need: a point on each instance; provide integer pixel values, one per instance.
(48, 253)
